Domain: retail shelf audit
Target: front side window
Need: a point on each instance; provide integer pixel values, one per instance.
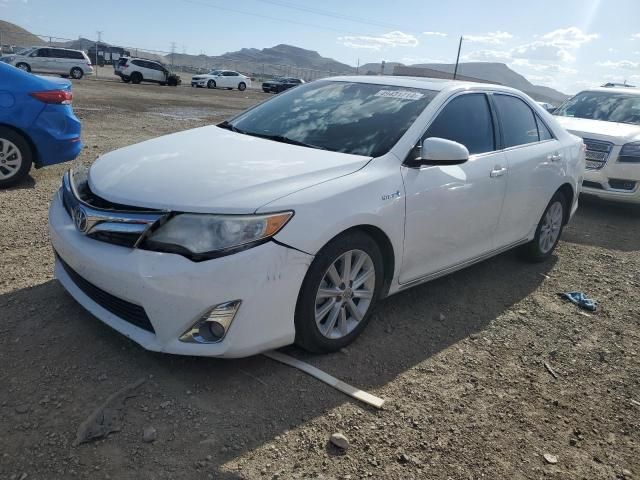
(605, 106)
(518, 123)
(467, 120)
(349, 117)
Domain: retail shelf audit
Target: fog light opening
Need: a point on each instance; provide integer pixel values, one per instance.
(214, 325)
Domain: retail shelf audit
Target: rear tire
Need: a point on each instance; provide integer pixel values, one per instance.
(125, 79)
(24, 66)
(334, 304)
(76, 73)
(211, 84)
(136, 78)
(15, 157)
(548, 232)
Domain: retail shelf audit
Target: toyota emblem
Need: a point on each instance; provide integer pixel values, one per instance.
(80, 219)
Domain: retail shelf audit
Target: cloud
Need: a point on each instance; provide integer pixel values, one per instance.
(488, 56)
(635, 36)
(544, 67)
(435, 34)
(624, 64)
(391, 39)
(571, 37)
(493, 38)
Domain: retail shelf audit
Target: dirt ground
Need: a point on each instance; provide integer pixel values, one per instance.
(460, 360)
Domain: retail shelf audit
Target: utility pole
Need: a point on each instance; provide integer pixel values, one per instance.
(99, 32)
(173, 51)
(455, 71)
(358, 67)
(382, 67)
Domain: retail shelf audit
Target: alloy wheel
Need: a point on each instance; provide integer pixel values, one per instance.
(10, 159)
(345, 293)
(551, 226)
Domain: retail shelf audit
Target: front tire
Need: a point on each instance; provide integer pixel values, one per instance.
(242, 86)
(76, 73)
(549, 230)
(211, 84)
(24, 66)
(15, 157)
(339, 292)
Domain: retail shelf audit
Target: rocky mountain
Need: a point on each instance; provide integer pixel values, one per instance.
(11, 34)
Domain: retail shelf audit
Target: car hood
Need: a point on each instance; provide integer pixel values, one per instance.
(617, 133)
(210, 169)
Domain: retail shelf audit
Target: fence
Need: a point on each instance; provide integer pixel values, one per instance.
(11, 41)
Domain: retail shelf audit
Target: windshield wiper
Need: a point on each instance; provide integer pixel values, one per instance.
(228, 126)
(284, 139)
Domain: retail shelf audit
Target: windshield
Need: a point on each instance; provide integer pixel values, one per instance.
(355, 118)
(215, 72)
(605, 106)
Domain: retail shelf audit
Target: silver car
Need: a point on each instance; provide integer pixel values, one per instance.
(62, 61)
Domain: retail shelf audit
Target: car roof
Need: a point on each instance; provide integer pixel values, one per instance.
(630, 90)
(436, 84)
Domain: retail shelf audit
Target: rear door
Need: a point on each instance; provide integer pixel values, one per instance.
(534, 159)
(452, 211)
(60, 61)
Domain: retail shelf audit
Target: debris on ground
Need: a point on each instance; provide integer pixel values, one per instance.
(107, 417)
(551, 370)
(550, 459)
(149, 435)
(580, 299)
(339, 440)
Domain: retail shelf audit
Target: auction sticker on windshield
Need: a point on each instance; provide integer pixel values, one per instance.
(401, 94)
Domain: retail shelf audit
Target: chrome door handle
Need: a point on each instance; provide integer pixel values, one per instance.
(554, 157)
(498, 172)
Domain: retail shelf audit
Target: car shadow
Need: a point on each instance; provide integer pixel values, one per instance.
(596, 221)
(225, 408)
(26, 183)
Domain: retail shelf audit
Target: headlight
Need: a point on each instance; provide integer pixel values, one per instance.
(630, 153)
(202, 236)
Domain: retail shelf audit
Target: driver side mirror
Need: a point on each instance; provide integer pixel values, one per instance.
(439, 151)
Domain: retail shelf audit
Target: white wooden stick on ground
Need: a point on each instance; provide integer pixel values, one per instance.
(326, 378)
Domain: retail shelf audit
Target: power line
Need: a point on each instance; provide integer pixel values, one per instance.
(268, 17)
(328, 13)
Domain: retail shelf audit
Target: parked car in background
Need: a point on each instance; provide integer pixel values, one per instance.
(37, 124)
(221, 79)
(137, 70)
(290, 221)
(278, 85)
(608, 120)
(547, 106)
(61, 61)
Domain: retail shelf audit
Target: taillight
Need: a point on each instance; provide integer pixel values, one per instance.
(60, 97)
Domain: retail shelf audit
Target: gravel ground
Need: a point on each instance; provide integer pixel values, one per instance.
(461, 360)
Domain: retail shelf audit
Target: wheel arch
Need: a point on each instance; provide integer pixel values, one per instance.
(27, 138)
(567, 190)
(386, 248)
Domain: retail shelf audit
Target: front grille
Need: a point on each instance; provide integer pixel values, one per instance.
(127, 311)
(597, 153)
(620, 184)
(589, 184)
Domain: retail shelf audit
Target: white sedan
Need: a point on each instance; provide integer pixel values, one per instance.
(289, 222)
(221, 79)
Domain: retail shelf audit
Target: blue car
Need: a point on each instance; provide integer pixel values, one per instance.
(37, 124)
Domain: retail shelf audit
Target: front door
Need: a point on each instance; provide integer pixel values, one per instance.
(452, 212)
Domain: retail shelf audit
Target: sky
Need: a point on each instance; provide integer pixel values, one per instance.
(564, 44)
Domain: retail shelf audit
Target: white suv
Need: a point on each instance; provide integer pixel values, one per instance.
(137, 70)
(221, 79)
(288, 222)
(608, 120)
(62, 61)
